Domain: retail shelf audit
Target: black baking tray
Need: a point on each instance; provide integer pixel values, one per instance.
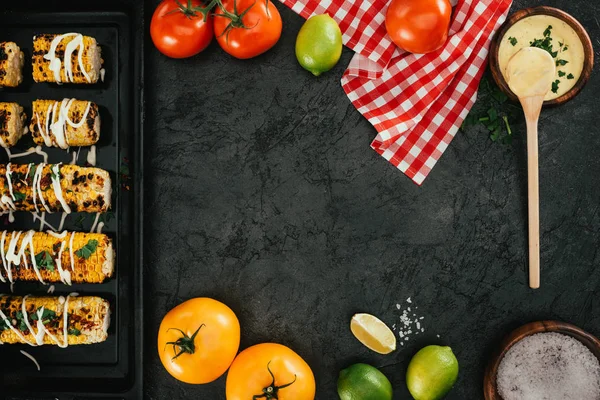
(112, 369)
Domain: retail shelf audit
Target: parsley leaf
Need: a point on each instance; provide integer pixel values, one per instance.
(44, 259)
(513, 40)
(19, 196)
(47, 316)
(87, 250)
(74, 331)
(548, 31)
(561, 73)
(555, 86)
(21, 321)
(561, 63)
(570, 76)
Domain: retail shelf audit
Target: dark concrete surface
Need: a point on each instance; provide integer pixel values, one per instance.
(263, 192)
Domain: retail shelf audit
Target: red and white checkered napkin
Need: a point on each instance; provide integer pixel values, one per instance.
(416, 102)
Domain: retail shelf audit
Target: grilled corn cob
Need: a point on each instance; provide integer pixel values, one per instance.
(56, 58)
(65, 123)
(52, 257)
(88, 318)
(11, 64)
(54, 188)
(12, 124)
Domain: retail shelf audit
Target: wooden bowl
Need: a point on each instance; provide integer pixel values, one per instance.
(489, 380)
(588, 64)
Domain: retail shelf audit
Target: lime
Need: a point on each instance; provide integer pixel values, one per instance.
(373, 333)
(431, 373)
(319, 44)
(363, 382)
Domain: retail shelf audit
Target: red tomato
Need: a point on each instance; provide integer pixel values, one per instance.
(179, 30)
(418, 26)
(247, 28)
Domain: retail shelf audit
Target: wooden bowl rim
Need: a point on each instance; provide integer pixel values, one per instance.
(588, 49)
(489, 381)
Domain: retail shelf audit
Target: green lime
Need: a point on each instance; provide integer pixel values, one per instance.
(363, 382)
(431, 373)
(319, 44)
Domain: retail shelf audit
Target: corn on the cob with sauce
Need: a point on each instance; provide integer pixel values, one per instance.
(51, 257)
(54, 188)
(12, 124)
(11, 64)
(65, 123)
(70, 58)
(60, 321)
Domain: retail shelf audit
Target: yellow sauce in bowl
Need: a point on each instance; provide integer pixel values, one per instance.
(553, 35)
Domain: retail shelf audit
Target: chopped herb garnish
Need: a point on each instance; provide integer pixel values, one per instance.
(19, 196)
(513, 40)
(74, 331)
(565, 48)
(21, 321)
(4, 323)
(570, 76)
(561, 74)
(32, 172)
(560, 63)
(548, 31)
(44, 259)
(87, 250)
(47, 316)
(555, 86)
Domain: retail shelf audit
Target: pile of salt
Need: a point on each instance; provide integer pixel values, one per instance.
(549, 366)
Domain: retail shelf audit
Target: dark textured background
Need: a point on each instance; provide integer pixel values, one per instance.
(263, 193)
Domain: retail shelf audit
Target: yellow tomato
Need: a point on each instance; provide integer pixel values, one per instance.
(198, 340)
(270, 371)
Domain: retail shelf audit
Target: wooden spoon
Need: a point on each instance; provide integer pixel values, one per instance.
(530, 73)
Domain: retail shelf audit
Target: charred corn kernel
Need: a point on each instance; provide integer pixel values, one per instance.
(11, 64)
(12, 124)
(80, 128)
(56, 58)
(54, 188)
(88, 319)
(68, 257)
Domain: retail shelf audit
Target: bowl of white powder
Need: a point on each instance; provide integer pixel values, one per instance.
(545, 360)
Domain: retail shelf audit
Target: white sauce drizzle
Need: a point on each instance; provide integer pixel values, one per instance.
(9, 180)
(50, 289)
(3, 258)
(62, 221)
(43, 222)
(100, 226)
(55, 177)
(55, 62)
(91, 157)
(71, 251)
(102, 73)
(75, 156)
(26, 354)
(31, 150)
(95, 223)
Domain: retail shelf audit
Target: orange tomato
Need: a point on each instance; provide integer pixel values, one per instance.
(247, 28)
(198, 340)
(270, 371)
(418, 26)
